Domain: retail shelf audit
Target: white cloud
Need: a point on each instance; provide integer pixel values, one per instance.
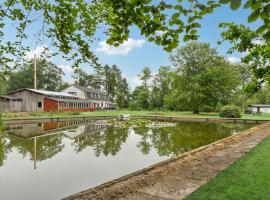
(122, 49)
(234, 60)
(40, 51)
(67, 69)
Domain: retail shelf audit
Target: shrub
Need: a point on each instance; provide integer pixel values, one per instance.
(230, 111)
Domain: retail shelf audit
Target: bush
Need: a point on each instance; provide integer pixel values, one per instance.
(230, 112)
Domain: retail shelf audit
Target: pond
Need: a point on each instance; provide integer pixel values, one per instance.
(52, 160)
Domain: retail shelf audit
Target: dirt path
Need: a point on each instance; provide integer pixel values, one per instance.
(177, 178)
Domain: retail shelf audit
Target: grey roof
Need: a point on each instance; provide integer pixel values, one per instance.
(46, 93)
(72, 100)
(92, 90)
(52, 93)
(261, 105)
(9, 97)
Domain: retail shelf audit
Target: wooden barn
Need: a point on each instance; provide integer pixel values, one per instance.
(32, 100)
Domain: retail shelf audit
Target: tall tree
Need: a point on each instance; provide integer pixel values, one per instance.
(145, 76)
(49, 77)
(161, 86)
(203, 79)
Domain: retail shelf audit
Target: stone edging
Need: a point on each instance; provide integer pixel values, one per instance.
(134, 180)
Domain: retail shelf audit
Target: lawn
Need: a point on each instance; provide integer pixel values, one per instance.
(35, 115)
(248, 178)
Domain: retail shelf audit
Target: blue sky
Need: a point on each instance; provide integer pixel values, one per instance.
(138, 53)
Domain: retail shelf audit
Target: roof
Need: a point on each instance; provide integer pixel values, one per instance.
(261, 105)
(92, 90)
(72, 100)
(9, 97)
(46, 93)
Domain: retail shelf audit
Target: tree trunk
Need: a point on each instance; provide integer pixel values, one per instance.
(196, 111)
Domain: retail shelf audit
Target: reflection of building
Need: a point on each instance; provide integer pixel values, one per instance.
(31, 100)
(83, 130)
(71, 129)
(95, 95)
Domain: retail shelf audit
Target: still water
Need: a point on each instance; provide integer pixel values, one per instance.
(51, 160)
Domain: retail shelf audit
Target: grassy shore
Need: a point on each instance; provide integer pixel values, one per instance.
(247, 178)
(38, 115)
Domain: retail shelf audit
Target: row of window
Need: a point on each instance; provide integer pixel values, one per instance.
(76, 105)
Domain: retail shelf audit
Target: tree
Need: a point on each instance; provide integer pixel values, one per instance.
(49, 77)
(123, 94)
(145, 76)
(71, 25)
(85, 79)
(109, 78)
(202, 79)
(140, 98)
(161, 86)
(256, 50)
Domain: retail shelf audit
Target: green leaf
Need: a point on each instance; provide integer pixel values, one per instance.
(235, 4)
(248, 4)
(175, 16)
(224, 1)
(261, 29)
(253, 16)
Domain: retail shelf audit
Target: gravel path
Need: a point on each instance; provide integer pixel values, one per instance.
(178, 177)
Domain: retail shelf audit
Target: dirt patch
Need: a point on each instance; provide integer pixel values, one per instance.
(178, 177)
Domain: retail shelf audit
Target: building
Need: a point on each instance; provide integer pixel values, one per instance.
(94, 95)
(10, 103)
(259, 108)
(31, 100)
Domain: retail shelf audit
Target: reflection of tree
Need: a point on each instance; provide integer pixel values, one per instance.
(144, 144)
(184, 137)
(107, 142)
(47, 146)
(3, 151)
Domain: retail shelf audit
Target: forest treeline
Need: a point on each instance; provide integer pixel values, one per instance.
(198, 80)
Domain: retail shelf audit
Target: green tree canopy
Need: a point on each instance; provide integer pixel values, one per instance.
(255, 48)
(70, 26)
(49, 77)
(202, 80)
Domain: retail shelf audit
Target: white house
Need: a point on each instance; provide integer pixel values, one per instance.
(260, 108)
(94, 95)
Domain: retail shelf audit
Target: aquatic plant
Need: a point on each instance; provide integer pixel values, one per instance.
(139, 123)
(130, 123)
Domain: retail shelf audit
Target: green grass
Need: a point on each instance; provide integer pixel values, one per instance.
(36, 115)
(248, 178)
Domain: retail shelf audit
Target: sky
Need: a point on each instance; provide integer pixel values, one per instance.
(136, 53)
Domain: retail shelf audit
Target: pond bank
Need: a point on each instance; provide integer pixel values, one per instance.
(150, 117)
(178, 177)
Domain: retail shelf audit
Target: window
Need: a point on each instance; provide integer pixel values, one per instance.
(39, 104)
(73, 93)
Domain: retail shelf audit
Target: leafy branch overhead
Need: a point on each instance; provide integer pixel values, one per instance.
(255, 49)
(71, 25)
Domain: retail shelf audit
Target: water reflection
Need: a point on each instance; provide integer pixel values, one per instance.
(75, 155)
(41, 141)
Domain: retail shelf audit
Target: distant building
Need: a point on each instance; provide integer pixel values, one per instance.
(31, 100)
(95, 95)
(259, 108)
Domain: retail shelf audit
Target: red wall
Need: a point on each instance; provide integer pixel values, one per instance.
(50, 105)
